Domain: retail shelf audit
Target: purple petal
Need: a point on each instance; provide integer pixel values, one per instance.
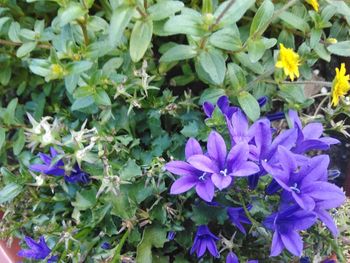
(205, 190)
(262, 101)
(45, 158)
(308, 145)
(329, 140)
(40, 168)
(287, 139)
(183, 184)
(279, 175)
(217, 148)
(293, 243)
(56, 171)
(221, 181)
(277, 245)
(325, 191)
(231, 258)
(208, 108)
(212, 248)
(237, 155)
(246, 169)
(53, 152)
(287, 159)
(181, 168)
(315, 170)
(203, 163)
(325, 217)
(312, 131)
(293, 115)
(262, 135)
(192, 148)
(305, 201)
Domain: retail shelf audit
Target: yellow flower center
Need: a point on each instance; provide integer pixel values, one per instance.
(289, 61)
(57, 69)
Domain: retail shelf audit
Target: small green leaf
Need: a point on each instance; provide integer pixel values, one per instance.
(14, 32)
(72, 12)
(227, 38)
(25, 49)
(190, 130)
(213, 63)
(85, 199)
(82, 102)
(164, 9)
(262, 19)
(101, 98)
(140, 39)
(78, 67)
(9, 192)
(294, 21)
(188, 23)
(249, 105)
(235, 12)
(2, 137)
(211, 95)
(236, 77)
(179, 52)
(130, 170)
(19, 143)
(256, 49)
(119, 21)
(340, 48)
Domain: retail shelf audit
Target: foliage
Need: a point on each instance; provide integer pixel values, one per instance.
(116, 87)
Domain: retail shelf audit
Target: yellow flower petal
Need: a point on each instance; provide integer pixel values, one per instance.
(340, 85)
(314, 4)
(289, 61)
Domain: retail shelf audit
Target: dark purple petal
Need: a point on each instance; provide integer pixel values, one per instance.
(183, 184)
(45, 158)
(223, 104)
(262, 101)
(192, 148)
(40, 168)
(217, 148)
(53, 152)
(231, 258)
(171, 235)
(275, 116)
(293, 243)
(281, 177)
(203, 163)
(309, 145)
(181, 168)
(208, 108)
(287, 159)
(261, 131)
(305, 201)
(212, 248)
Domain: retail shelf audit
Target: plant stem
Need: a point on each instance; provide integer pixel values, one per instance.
(254, 222)
(222, 14)
(116, 258)
(320, 105)
(143, 14)
(16, 44)
(315, 82)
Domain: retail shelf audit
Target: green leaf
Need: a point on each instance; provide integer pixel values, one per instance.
(340, 48)
(211, 95)
(140, 39)
(213, 63)
(153, 236)
(256, 49)
(262, 19)
(82, 102)
(188, 23)
(235, 12)
(236, 77)
(9, 114)
(9, 192)
(190, 130)
(79, 67)
(14, 32)
(322, 52)
(227, 38)
(130, 170)
(119, 21)
(164, 9)
(122, 206)
(249, 105)
(19, 143)
(25, 49)
(294, 21)
(179, 52)
(72, 12)
(85, 199)
(2, 137)
(101, 98)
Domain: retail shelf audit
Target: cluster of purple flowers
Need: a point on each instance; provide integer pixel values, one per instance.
(256, 150)
(54, 167)
(37, 250)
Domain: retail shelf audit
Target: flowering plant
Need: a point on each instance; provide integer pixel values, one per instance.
(174, 131)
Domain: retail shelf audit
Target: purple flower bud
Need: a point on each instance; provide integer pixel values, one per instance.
(276, 116)
(205, 240)
(231, 258)
(106, 245)
(171, 235)
(262, 101)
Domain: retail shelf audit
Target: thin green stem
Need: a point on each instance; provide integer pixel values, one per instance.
(222, 14)
(16, 44)
(313, 82)
(116, 258)
(254, 222)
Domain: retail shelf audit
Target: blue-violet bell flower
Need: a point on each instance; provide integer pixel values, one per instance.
(309, 137)
(231, 258)
(171, 235)
(224, 105)
(203, 241)
(77, 176)
(306, 183)
(106, 245)
(222, 165)
(286, 223)
(190, 176)
(37, 250)
(237, 217)
(49, 167)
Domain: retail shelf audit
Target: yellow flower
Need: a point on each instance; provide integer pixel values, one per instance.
(340, 85)
(314, 4)
(289, 61)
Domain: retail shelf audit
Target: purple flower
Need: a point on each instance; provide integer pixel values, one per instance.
(49, 167)
(231, 258)
(262, 101)
(171, 235)
(309, 137)
(307, 183)
(190, 176)
(224, 106)
(286, 223)
(237, 216)
(37, 250)
(221, 165)
(275, 116)
(238, 128)
(77, 176)
(205, 240)
(106, 245)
